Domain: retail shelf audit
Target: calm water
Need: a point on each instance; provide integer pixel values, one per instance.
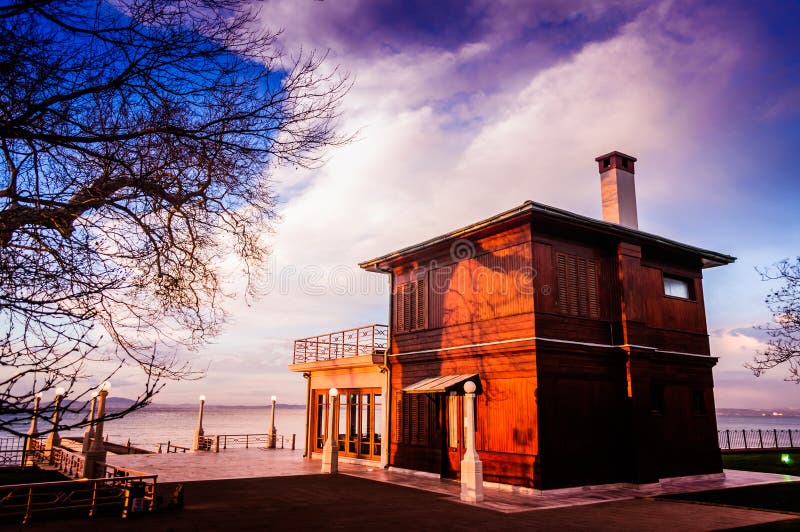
(158, 424)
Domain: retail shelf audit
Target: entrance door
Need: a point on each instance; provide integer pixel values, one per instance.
(454, 440)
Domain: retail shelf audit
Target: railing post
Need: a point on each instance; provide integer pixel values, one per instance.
(27, 518)
(358, 336)
(225, 443)
(168, 441)
(775, 433)
(246, 441)
(791, 443)
(293, 440)
(744, 436)
(760, 439)
(93, 507)
(728, 434)
(216, 444)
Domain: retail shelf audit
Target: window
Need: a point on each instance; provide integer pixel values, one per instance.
(411, 418)
(657, 398)
(411, 306)
(678, 287)
(577, 286)
(698, 403)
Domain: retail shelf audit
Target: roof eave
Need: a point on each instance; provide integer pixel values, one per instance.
(709, 259)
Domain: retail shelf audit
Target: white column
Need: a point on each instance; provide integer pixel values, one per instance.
(471, 466)
(330, 452)
(89, 432)
(272, 435)
(198, 434)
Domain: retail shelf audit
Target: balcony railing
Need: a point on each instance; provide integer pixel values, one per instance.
(368, 340)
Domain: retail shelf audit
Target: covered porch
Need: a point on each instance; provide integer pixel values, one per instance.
(353, 362)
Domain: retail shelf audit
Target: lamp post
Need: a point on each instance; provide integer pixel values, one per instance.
(53, 439)
(89, 433)
(271, 436)
(198, 434)
(97, 451)
(471, 465)
(330, 451)
(33, 432)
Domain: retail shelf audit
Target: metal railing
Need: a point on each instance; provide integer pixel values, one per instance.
(759, 439)
(220, 442)
(170, 447)
(125, 494)
(368, 340)
(12, 452)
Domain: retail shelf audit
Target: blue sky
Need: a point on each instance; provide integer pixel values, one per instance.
(464, 109)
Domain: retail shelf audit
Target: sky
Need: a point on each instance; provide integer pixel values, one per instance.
(463, 109)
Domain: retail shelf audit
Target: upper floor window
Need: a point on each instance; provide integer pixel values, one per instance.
(678, 287)
(577, 285)
(411, 306)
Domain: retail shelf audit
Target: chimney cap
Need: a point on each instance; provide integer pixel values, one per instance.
(616, 159)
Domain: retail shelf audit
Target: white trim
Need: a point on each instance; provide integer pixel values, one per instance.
(542, 339)
(416, 472)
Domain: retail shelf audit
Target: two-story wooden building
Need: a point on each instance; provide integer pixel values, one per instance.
(587, 340)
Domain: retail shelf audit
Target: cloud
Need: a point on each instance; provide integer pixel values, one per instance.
(457, 126)
(735, 385)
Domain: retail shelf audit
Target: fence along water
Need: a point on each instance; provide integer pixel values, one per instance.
(759, 439)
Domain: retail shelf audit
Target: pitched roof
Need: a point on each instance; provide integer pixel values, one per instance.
(546, 212)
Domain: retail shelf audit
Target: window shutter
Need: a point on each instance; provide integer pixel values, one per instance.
(591, 289)
(398, 417)
(414, 418)
(421, 307)
(572, 286)
(561, 266)
(583, 299)
(422, 420)
(577, 286)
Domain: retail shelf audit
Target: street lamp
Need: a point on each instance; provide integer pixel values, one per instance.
(89, 432)
(96, 453)
(97, 442)
(53, 440)
(330, 451)
(198, 434)
(272, 436)
(33, 432)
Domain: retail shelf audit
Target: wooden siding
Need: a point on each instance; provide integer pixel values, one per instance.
(508, 403)
(489, 286)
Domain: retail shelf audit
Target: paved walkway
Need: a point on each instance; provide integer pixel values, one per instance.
(344, 502)
(260, 463)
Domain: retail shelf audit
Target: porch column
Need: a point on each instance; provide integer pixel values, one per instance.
(330, 452)
(471, 465)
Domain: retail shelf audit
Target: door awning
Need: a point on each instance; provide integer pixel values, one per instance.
(444, 383)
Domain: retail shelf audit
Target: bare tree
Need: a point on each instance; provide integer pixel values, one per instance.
(783, 346)
(135, 138)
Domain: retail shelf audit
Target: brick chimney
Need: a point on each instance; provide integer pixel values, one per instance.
(618, 189)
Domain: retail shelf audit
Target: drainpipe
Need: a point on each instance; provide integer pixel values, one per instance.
(385, 368)
(307, 377)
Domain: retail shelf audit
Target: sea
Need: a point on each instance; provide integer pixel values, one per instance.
(162, 424)
(159, 424)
